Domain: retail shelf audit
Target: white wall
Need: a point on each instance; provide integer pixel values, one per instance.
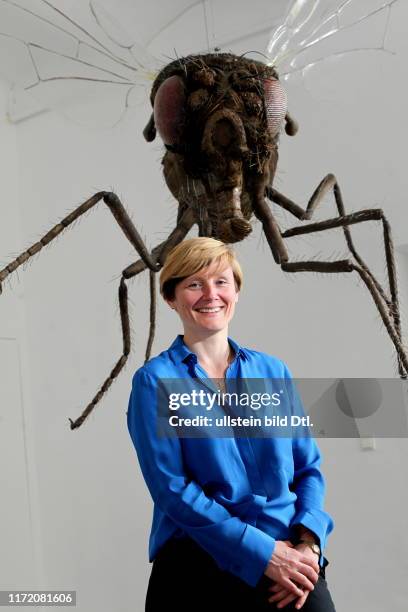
(21, 560)
(94, 510)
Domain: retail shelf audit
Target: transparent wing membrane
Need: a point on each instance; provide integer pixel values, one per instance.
(317, 30)
(78, 58)
(72, 63)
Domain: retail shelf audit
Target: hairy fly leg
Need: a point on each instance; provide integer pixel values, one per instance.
(329, 183)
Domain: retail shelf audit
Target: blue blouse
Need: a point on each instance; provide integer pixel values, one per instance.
(234, 496)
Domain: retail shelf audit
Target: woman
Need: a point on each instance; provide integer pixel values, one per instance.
(238, 523)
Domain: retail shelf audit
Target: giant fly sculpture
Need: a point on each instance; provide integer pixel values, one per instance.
(220, 117)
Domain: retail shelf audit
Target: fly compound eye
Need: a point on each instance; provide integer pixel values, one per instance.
(276, 104)
(169, 110)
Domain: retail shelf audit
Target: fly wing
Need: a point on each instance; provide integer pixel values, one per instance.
(82, 63)
(316, 31)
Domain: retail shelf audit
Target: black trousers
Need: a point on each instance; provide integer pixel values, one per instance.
(186, 578)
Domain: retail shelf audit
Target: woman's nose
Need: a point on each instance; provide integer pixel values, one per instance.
(209, 291)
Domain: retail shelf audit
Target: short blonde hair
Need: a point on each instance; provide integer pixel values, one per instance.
(191, 256)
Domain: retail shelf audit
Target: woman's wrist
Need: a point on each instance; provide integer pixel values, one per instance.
(304, 534)
(309, 539)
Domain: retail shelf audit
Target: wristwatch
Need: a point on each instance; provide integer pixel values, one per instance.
(312, 545)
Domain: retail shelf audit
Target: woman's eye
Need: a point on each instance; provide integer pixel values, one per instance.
(222, 281)
(194, 285)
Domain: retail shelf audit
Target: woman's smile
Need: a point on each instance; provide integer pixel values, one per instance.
(209, 309)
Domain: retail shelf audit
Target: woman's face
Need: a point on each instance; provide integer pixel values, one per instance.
(205, 301)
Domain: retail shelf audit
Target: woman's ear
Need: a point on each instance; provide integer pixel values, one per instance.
(171, 304)
(237, 297)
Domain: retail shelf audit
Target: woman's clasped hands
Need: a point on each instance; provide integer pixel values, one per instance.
(294, 571)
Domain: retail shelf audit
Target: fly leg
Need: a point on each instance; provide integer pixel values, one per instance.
(118, 211)
(159, 253)
(348, 265)
(152, 261)
(157, 256)
(329, 183)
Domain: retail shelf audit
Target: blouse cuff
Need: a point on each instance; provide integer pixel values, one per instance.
(255, 550)
(317, 521)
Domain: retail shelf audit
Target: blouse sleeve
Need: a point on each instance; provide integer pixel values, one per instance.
(235, 545)
(308, 483)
